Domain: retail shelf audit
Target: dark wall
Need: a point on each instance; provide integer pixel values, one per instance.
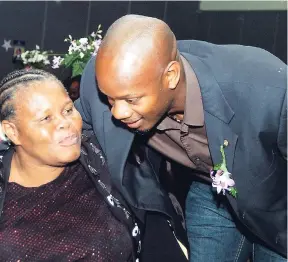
(48, 23)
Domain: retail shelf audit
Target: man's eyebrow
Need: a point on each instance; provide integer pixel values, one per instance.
(128, 96)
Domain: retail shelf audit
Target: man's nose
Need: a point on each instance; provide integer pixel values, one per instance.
(120, 110)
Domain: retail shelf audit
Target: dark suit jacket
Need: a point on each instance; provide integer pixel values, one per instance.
(244, 99)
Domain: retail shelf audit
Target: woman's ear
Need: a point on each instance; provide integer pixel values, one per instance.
(10, 132)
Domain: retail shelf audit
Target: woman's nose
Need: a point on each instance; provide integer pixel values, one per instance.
(63, 123)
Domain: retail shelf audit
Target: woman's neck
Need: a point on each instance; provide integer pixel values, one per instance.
(27, 172)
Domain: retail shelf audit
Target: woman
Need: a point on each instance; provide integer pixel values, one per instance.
(56, 200)
(51, 210)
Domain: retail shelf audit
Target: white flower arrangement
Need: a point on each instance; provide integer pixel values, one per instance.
(35, 58)
(79, 52)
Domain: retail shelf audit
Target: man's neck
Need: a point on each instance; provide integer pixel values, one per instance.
(27, 172)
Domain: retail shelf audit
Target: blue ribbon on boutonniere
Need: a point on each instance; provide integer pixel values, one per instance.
(221, 177)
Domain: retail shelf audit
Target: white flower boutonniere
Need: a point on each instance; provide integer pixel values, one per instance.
(221, 177)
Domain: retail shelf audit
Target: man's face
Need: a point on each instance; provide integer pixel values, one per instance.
(74, 90)
(138, 100)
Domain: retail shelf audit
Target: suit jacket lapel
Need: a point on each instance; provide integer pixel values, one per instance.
(217, 132)
(217, 113)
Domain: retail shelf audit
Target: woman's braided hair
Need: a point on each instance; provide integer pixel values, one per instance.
(11, 84)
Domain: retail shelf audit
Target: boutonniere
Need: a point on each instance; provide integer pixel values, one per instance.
(221, 177)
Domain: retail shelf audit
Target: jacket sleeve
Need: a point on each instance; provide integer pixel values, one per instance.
(88, 83)
(282, 132)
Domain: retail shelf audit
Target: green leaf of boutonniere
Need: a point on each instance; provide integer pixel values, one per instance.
(217, 167)
(221, 178)
(221, 165)
(233, 192)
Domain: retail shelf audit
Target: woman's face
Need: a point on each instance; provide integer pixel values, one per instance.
(48, 125)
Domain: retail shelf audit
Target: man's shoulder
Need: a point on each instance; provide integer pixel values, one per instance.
(89, 69)
(194, 46)
(229, 52)
(88, 78)
(238, 63)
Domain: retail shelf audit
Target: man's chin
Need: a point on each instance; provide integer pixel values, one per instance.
(142, 129)
(141, 132)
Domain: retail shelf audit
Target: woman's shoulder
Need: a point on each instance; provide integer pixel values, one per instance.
(93, 159)
(89, 138)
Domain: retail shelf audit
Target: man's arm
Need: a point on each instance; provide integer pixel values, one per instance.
(88, 83)
(92, 104)
(282, 133)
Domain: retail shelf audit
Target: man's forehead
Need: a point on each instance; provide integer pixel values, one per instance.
(128, 61)
(121, 90)
(124, 77)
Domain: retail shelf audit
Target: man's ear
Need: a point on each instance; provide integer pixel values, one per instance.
(10, 131)
(173, 74)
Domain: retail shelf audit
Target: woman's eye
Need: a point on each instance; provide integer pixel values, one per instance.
(69, 111)
(46, 118)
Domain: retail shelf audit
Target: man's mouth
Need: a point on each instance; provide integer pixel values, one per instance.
(133, 124)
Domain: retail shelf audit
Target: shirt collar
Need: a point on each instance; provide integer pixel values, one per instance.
(193, 112)
(168, 124)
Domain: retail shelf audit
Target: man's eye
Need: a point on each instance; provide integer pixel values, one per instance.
(111, 101)
(132, 100)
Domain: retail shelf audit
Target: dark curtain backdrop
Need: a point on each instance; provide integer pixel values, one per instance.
(48, 23)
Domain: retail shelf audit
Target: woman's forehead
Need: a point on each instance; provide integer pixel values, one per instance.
(40, 96)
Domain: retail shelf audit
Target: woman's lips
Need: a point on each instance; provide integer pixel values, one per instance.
(69, 140)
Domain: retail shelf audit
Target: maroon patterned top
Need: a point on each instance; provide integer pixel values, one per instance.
(64, 220)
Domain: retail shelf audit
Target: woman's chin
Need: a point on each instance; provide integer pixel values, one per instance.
(69, 156)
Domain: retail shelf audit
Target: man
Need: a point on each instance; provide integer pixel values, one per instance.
(197, 103)
(74, 90)
(134, 169)
(73, 87)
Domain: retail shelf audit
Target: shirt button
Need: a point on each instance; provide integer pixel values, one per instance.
(197, 161)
